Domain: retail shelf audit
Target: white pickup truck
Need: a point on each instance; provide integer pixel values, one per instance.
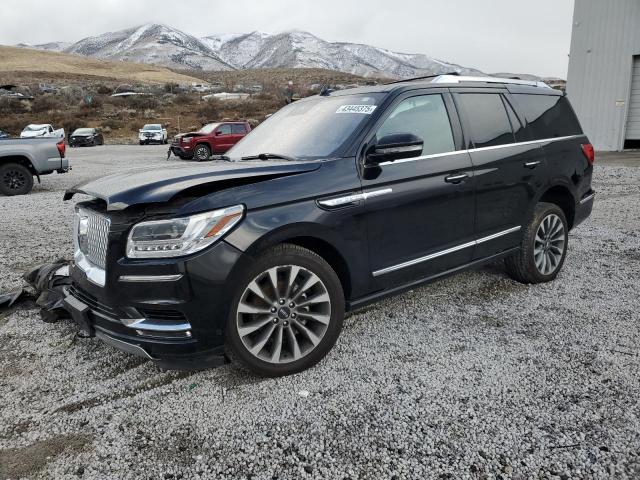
(41, 130)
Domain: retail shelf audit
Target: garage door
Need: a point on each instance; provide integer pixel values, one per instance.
(633, 118)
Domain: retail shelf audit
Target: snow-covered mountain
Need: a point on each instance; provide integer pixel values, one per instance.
(163, 45)
(52, 46)
(151, 43)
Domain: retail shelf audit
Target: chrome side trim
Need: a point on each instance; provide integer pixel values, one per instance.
(588, 198)
(150, 278)
(497, 235)
(426, 258)
(481, 149)
(462, 78)
(356, 197)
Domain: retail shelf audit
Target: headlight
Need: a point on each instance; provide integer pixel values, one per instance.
(177, 237)
(186, 139)
(82, 229)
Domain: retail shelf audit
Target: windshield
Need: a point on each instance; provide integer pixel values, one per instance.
(209, 128)
(83, 131)
(152, 127)
(316, 127)
(34, 128)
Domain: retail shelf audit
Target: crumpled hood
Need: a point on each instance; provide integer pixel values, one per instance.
(160, 183)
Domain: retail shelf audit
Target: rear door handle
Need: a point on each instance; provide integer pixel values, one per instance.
(532, 164)
(455, 178)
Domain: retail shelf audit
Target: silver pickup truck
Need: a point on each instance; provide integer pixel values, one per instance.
(23, 159)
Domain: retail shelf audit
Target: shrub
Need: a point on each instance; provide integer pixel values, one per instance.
(210, 110)
(47, 103)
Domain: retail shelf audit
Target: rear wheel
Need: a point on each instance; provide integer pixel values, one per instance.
(201, 152)
(543, 248)
(15, 179)
(287, 313)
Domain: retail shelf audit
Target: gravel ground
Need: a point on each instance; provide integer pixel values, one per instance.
(475, 376)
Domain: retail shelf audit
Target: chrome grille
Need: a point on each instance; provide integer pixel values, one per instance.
(97, 239)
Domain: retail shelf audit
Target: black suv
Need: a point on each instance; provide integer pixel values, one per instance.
(334, 202)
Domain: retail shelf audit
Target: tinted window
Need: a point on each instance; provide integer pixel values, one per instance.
(425, 116)
(224, 129)
(487, 119)
(517, 127)
(238, 129)
(548, 116)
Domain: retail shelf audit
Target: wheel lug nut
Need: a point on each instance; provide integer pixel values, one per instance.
(275, 320)
(293, 315)
(285, 323)
(291, 305)
(273, 309)
(281, 301)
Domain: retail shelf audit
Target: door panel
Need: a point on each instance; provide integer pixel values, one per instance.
(413, 214)
(508, 169)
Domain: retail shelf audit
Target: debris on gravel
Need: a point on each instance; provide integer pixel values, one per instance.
(475, 376)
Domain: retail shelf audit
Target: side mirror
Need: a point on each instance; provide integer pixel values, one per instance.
(218, 132)
(395, 147)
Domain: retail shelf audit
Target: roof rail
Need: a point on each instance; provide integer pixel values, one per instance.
(425, 77)
(461, 79)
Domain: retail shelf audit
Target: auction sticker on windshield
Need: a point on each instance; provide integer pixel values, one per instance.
(366, 109)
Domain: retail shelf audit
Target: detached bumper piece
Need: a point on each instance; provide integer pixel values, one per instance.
(161, 335)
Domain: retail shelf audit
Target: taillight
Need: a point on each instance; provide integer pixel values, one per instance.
(589, 152)
(61, 148)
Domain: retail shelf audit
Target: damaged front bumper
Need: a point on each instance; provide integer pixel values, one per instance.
(170, 311)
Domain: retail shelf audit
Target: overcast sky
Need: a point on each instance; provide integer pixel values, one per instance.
(491, 35)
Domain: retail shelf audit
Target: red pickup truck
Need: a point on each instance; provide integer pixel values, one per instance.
(213, 138)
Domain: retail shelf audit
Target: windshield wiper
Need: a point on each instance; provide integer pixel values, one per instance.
(269, 156)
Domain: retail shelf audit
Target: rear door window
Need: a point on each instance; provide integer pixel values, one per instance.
(518, 129)
(238, 129)
(487, 119)
(425, 116)
(548, 116)
(224, 129)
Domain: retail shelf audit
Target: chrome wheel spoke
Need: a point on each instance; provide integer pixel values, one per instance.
(307, 332)
(251, 309)
(295, 348)
(323, 297)
(273, 277)
(293, 274)
(253, 327)
(316, 317)
(262, 340)
(277, 346)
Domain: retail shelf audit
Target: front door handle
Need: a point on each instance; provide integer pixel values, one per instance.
(532, 164)
(455, 178)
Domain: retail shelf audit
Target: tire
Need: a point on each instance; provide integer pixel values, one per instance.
(304, 333)
(543, 248)
(201, 153)
(141, 142)
(15, 179)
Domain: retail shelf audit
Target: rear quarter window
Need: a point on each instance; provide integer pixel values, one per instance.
(548, 116)
(487, 119)
(238, 129)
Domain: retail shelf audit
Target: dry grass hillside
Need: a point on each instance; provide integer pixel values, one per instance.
(15, 62)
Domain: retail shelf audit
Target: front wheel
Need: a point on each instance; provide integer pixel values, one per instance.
(287, 313)
(543, 248)
(201, 153)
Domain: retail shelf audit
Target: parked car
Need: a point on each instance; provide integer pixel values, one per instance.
(4, 134)
(152, 133)
(86, 137)
(334, 202)
(213, 138)
(41, 130)
(22, 159)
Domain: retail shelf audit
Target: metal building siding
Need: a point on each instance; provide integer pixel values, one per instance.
(633, 114)
(606, 36)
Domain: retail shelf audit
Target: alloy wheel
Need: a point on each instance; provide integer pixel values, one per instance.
(202, 153)
(283, 314)
(549, 244)
(14, 179)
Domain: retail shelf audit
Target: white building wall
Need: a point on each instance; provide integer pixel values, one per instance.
(606, 36)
